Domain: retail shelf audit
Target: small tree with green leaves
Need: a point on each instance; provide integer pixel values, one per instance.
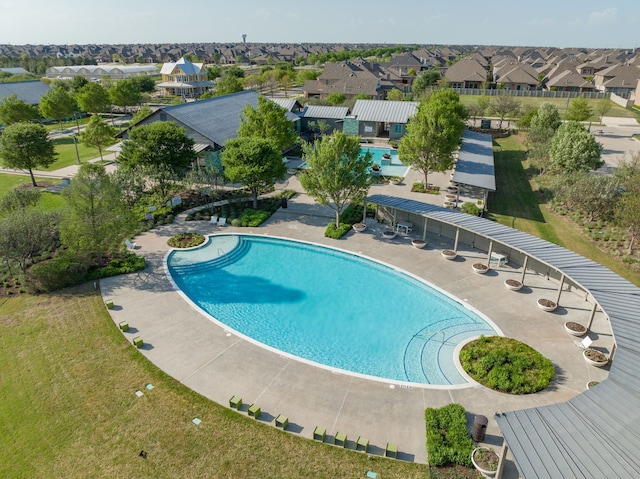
(268, 121)
(98, 134)
(93, 98)
(96, 219)
(254, 162)
(58, 104)
(16, 110)
(338, 172)
(125, 93)
(578, 110)
(228, 84)
(544, 124)
(628, 208)
(504, 106)
(603, 107)
(395, 94)
(573, 148)
(26, 146)
(336, 98)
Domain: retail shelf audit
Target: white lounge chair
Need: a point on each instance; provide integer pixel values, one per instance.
(129, 244)
(584, 344)
(222, 221)
(214, 220)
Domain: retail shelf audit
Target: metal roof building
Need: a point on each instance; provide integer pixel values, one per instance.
(28, 91)
(475, 165)
(596, 434)
(327, 112)
(384, 110)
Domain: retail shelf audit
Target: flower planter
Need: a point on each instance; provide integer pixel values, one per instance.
(396, 181)
(449, 254)
(595, 358)
(416, 243)
(513, 284)
(450, 197)
(480, 268)
(388, 234)
(590, 384)
(547, 304)
(575, 329)
(386, 156)
(359, 227)
(449, 204)
(485, 461)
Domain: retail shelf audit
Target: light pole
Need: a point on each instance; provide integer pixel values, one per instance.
(75, 115)
(75, 143)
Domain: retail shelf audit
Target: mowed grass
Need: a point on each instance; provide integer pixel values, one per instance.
(561, 104)
(67, 156)
(69, 409)
(518, 204)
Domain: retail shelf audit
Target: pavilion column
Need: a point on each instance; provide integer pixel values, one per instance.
(592, 315)
(524, 269)
(489, 253)
(364, 212)
(560, 289)
(424, 230)
(455, 243)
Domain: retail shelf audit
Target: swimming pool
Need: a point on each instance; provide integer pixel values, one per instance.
(328, 307)
(391, 166)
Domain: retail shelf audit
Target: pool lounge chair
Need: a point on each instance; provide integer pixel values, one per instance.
(214, 220)
(129, 244)
(222, 221)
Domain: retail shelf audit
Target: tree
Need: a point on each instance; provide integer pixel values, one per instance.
(97, 134)
(628, 210)
(207, 181)
(544, 124)
(145, 84)
(504, 106)
(433, 134)
(269, 121)
(425, 80)
(26, 146)
(58, 104)
(93, 98)
(395, 94)
(483, 103)
(321, 127)
(573, 148)
(141, 114)
(125, 93)
(603, 107)
(26, 233)
(77, 82)
(158, 143)
(579, 110)
(14, 110)
(595, 196)
(96, 219)
(18, 200)
(338, 172)
(254, 162)
(336, 98)
(228, 84)
(132, 183)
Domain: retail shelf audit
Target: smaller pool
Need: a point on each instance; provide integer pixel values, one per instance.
(391, 166)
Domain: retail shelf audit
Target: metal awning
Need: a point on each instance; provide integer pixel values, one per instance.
(475, 165)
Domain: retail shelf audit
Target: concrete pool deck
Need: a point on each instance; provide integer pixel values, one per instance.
(218, 364)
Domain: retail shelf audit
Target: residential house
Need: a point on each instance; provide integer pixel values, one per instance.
(467, 73)
(618, 79)
(332, 115)
(515, 76)
(379, 118)
(590, 68)
(569, 80)
(184, 79)
(349, 78)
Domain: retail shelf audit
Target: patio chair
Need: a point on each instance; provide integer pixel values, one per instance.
(129, 244)
(584, 344)
(214, 220)
(222, 221)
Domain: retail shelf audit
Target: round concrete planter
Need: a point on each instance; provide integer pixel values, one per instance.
(449, 254)
(594, 358)
(479, 464)
(575, 329)
(417, 243)
(546, 305)
(359, 227)
(480, 268)
(389, 234)
(513, 284)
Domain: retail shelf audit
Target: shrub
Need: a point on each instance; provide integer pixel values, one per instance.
(448, 440)
(57, 273)
(336, 233)
(235, 222)
(253, 218)
(129, 264)
(186, 240)
(418, 187)
(506, 365)
(470, 208)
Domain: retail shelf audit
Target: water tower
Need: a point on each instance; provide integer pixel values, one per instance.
(244, 38)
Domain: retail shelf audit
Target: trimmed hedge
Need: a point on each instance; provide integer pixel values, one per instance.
(337, 233)
(128, 264)
(252, 218)
(448, 440)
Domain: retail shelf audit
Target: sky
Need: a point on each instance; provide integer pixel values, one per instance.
(543, 23)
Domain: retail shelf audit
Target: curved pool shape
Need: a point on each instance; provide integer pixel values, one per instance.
(329, 307)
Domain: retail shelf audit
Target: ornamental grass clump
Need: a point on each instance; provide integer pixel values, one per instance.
(506, 365)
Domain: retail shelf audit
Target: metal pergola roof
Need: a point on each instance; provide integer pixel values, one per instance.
(475, 166)
(596, 434)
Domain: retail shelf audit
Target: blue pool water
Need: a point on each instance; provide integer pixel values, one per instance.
(388, 167)
(328, 307)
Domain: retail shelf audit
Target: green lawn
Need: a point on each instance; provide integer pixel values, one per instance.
(67, 156)
(561, 104)
(516, 203)
(69, 410)
(10, 181)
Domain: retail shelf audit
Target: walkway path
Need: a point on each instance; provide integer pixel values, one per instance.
(218, 364)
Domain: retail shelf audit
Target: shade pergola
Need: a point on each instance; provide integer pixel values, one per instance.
(596, 434)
